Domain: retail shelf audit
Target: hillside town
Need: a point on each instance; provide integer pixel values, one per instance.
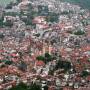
(44, 42)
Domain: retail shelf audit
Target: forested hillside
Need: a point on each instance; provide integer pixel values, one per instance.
(82, 3)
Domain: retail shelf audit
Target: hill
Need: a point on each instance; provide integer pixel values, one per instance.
(83, 3)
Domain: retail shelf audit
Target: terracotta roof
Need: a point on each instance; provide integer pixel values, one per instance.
(40, 63)
(88, 78)
(14, 55)
(1, 51)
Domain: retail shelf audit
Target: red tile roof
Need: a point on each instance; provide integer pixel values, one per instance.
(40, 63)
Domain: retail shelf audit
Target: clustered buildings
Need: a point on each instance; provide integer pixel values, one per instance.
(67, 39)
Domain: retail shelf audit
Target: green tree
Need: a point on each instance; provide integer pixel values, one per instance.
(48, 57)
(1, 35)
(52, 17)
(9, 6)
(40, 58)
(21, 86)
(8, 62)
(8, 23)
(37, 35)
(18, 1)
(1, 21)
(12, 14)
(85, 73)
(63, 65)
(45, 87)
(79, 32)
(34, 87)
(65, 13)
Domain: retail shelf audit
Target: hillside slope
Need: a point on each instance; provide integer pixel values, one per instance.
(82, 3)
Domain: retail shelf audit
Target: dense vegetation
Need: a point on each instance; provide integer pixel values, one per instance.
(66, 65)
(46, 58)
(85, 73)
(23, 86)
(82, 3)
(79, 32)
